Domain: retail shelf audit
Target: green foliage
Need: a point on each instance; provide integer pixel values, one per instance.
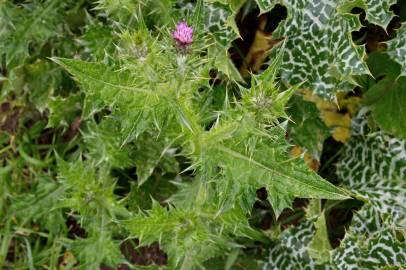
(243, 151)
(381, 180)
(306, 128)
(190, 235)
(373, 164)
(35, 23)
(90, 193)
(396, 48)
(370, 250)
(63, 111)
(291, 252)
(265, 5)
(320, 49)
(386, 97)
(112, 131)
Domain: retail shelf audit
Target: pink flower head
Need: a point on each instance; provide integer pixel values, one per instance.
(183, 34)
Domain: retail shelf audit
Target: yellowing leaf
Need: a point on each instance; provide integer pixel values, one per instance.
(331, 113)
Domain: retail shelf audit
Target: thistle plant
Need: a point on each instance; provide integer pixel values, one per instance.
(130, 141)
(232, 152)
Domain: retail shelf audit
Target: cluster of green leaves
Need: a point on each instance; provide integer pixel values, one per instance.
(373, 165)
(231, 152)
(141, 140)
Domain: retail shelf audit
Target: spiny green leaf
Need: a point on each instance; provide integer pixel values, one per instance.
(260, 159)
(301, 182)
(33, 207)
(62, 111)
(101, 83)
(34, 23)
(96, 249)
(150, 153)
(105, 144)
(189, 237)
(89, 192)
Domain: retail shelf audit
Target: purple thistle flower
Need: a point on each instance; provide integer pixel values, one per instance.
(183, 34)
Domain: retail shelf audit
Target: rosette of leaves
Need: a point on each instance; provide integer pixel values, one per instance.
(240, 150)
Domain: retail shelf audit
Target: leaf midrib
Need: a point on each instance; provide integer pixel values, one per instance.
(262, 166)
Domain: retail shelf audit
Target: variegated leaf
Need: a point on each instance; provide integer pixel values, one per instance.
(291, 252)
(370, 243)
(219, 22)
(369, 247)
(320, 48)
(266, 5)
(378, 11)
(374, 165)
(397, 48)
